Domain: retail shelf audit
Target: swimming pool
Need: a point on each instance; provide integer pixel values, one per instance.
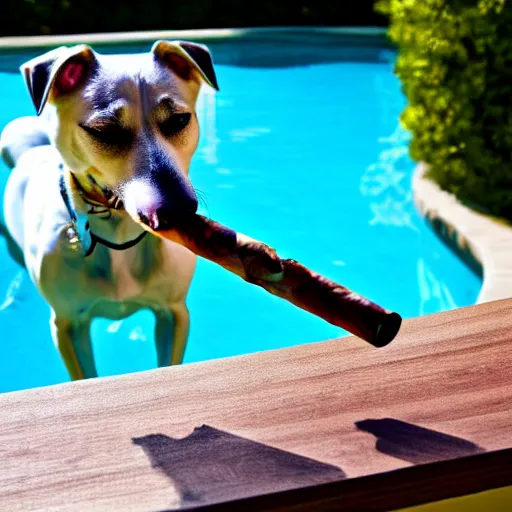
(309, 159)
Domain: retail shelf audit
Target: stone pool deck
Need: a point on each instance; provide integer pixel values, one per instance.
(247, 47)
(23, 42)
(484, 243)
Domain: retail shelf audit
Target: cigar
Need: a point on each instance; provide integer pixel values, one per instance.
(259, 264)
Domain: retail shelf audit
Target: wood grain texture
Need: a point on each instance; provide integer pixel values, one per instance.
(307, 428)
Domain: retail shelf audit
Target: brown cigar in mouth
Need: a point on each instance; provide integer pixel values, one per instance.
(259, 264)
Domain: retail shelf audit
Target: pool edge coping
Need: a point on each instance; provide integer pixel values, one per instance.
(26, 42)
(472, 235)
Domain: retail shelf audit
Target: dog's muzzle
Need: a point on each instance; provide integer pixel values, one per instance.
(156, 208)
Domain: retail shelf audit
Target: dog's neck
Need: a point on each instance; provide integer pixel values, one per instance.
(98, 215)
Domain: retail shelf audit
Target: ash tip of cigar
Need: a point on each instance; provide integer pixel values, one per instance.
(387, 330)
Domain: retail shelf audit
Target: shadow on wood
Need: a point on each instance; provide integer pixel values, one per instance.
(415, 444)
(211, 465)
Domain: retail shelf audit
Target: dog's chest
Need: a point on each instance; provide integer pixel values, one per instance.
(128, 274)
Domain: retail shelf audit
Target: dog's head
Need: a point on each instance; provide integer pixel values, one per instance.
(126, 122)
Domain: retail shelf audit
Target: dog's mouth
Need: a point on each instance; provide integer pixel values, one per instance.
(99, 199)
(163, 223)
(102, 200)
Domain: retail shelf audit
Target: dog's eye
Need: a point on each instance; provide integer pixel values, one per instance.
(110, 135)
(175, 124)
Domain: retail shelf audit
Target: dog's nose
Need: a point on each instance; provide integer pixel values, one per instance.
(163, 216)
(159, 203)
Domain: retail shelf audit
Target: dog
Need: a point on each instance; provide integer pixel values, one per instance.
(112, 142)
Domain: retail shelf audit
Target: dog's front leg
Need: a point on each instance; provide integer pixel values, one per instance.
(163, 337)
(73, 342)
(171, 334)
(181, 326)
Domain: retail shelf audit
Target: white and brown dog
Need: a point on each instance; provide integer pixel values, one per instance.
(114, 142)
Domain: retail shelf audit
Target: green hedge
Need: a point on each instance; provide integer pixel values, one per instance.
(23, 17)
(455, 65)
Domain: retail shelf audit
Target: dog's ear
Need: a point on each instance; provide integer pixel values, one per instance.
(58, 72)
(184, 57)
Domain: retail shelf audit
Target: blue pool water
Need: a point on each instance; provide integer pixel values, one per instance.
(310, 160)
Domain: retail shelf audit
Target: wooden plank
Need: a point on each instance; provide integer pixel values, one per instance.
(306, 428)
(387, 491)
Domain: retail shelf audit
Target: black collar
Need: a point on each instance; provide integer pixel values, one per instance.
(94, 238)
(118, 247)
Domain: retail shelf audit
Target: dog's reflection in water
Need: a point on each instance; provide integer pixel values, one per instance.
(211, 465)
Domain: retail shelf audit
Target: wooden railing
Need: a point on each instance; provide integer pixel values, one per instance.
(336, 425)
